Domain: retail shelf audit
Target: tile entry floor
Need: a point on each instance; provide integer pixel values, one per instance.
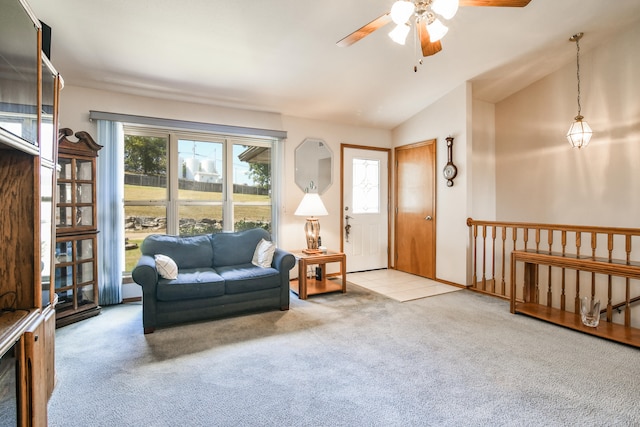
(399, 285)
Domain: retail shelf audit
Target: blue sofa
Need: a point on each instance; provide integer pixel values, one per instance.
(215, 278)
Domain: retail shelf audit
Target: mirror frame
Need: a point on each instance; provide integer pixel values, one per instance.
(313, 165)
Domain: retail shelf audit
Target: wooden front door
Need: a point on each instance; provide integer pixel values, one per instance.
(415, 224)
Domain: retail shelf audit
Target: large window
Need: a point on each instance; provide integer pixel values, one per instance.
(185, 184)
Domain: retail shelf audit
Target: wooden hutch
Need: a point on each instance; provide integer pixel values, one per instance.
(76, 263)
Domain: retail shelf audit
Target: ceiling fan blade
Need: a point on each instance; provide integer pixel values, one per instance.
(501, 3)
(361, 33)
(428, 48)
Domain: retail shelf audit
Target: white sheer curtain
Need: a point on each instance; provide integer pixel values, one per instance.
(277, 184)
(110, 194)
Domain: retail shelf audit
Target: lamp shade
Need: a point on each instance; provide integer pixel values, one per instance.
(579, 133)
(437, 30)
(401, 11)
(311, 205)
(445, 8)
(399, 33)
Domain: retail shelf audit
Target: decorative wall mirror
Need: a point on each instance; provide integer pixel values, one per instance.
(314, 165)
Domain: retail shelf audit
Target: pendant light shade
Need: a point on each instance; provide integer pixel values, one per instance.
(580, 132)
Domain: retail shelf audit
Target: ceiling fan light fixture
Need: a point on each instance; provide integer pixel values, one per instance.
(445, 8)
(401, 11)
(437, 30)
(399, 33)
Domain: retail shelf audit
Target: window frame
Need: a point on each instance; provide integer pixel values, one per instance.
(172, 201)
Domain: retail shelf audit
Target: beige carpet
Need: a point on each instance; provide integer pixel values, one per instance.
(343, 360)
(398, 285)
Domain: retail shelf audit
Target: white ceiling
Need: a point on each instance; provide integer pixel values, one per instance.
(281, 55)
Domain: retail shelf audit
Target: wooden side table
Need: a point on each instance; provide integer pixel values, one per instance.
(304, 286)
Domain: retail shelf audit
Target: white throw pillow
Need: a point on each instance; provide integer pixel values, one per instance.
(263, 254)
(166, 267)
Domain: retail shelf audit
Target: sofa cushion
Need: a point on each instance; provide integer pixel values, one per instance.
(190, 284)
(248, 278)
(236, 248)
(187, 252)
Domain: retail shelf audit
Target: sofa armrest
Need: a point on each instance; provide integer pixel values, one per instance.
(145, 273)
(283, 260)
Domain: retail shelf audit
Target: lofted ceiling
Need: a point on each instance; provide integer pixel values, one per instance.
(281, 55)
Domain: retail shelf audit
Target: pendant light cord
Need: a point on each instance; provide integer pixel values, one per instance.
(578, 72)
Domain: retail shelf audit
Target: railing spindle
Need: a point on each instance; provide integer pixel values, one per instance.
(609, 279)
(549, 293)
(536, 294)
(577, 298)
(475, 255)
(594, 243)
(627, 306)
(484, 258)
(563, 296)
(493, 259)
(504, 240)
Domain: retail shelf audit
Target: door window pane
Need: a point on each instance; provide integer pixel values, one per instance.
(366, 186)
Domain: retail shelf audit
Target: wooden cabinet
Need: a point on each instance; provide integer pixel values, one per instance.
(76, 251)
(29, 88)
(34, 397)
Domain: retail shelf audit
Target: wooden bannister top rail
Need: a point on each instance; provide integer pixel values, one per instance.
(561, 227)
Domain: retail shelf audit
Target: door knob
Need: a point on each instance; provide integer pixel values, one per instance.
(428, 218)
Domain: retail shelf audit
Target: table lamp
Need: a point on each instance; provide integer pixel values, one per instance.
(311, 206)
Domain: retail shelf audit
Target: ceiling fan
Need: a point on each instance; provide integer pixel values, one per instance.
(426, 13)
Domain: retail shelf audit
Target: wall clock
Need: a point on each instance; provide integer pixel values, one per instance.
(450, 171)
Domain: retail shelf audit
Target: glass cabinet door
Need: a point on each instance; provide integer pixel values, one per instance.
(75, 191)
(47, 234)
(75, 271)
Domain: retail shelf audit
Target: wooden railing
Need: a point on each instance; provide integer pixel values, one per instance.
(555, 287)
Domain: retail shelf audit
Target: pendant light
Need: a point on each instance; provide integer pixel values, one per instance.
(580, 132)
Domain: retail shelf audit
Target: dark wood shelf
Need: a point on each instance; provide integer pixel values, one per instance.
(606, 330)
(315, 287)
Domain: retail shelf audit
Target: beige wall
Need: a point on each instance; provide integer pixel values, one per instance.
(449, 116)
(514, 163)
(76, 102)
(539, 177)
(292, 235)
(482, 187)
